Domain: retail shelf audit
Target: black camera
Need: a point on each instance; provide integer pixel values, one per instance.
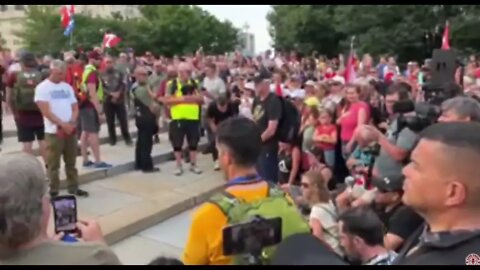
(425, 115)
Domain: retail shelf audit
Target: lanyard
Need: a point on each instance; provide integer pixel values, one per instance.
(244, 180)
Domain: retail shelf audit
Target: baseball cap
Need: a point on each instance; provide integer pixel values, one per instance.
(28, 59)
(391, 182)
(250, 85)
(94, 55)
(310, 83)
(298, 93)
(312, 102)
(338, 79)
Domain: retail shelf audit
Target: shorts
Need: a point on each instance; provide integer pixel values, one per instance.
(28, 134)
(179, 129)
(89, 120)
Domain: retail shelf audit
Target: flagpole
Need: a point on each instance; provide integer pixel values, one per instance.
(71, 40)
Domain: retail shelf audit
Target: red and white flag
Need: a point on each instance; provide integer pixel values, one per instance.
(110, 40)
(66, 14)
(350, 74)
(445, 38)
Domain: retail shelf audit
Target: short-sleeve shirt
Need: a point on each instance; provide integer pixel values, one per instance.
(218, 116)
(406, 139)
(264, 111)
(24, 118)
(60, 98)
(91, 79)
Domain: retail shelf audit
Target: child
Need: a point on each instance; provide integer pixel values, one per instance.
(325, 137)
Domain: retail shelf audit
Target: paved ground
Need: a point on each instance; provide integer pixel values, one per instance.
(131, 202)
(165, 239)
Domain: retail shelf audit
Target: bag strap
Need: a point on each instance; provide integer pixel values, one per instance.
(225, 202)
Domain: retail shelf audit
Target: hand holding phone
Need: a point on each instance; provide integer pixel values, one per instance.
(65, 214)
(90, 231)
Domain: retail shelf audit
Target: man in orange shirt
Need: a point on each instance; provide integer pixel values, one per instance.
(239, 143)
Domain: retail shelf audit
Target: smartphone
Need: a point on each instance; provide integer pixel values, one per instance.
(242, 238)
(65, 214)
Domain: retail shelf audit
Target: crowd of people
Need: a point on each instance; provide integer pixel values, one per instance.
(284, 131)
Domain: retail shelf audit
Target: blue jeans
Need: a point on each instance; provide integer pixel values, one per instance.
(267, 166)
(329, 156)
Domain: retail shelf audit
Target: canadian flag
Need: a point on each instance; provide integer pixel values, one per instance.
(445, 42)
(110, 40)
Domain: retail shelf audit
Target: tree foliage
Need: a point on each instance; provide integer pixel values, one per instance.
(393, 29)
(166, 30)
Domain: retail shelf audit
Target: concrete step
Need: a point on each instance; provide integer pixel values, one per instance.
(129, 203)
(11, 145)
(122, 158)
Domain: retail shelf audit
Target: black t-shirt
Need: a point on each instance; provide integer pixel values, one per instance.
(270, 109)
(403, 222)
(214, 113)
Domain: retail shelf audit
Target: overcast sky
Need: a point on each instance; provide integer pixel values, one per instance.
(255, 16)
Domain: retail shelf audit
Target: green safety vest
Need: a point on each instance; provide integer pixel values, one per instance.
(88, 70)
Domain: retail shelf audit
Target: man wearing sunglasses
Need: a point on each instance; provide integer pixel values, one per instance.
(399, 220)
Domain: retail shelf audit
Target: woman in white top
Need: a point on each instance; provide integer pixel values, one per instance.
(323, 215)
(246, 101)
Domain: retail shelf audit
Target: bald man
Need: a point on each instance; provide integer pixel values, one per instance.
(147, 111)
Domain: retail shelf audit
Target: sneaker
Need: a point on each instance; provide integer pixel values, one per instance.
(194, 169)
(156, 139)
(113, 143)
(102, 165)
(216, 166)
(128, 142)
(79, 193)
(53, 194)
(88, 163)
(178, 171)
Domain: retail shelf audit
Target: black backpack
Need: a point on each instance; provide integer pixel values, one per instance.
(290, 121)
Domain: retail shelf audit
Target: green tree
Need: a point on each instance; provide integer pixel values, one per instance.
(166, 30)
(394, 29)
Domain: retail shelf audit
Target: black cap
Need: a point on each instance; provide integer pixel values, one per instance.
(258, 78)
(389, 182)
(28, 59)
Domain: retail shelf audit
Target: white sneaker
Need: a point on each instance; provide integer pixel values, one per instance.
(194, 169)
(216, 166)
(178, 171)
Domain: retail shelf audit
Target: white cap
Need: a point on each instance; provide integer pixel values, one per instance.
(338, 79)
(298, 93)
(250, 85)
(310, 83)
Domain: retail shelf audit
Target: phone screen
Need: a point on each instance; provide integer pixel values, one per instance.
(65, 213)
(241, 238)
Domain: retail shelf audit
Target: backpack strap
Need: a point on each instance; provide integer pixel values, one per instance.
(224, 201)
(274, 191)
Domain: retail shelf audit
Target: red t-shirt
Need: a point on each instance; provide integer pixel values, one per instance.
(329, 130)
(24, 118)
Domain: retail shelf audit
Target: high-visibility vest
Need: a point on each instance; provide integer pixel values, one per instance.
(183, 111)
(89, 69)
